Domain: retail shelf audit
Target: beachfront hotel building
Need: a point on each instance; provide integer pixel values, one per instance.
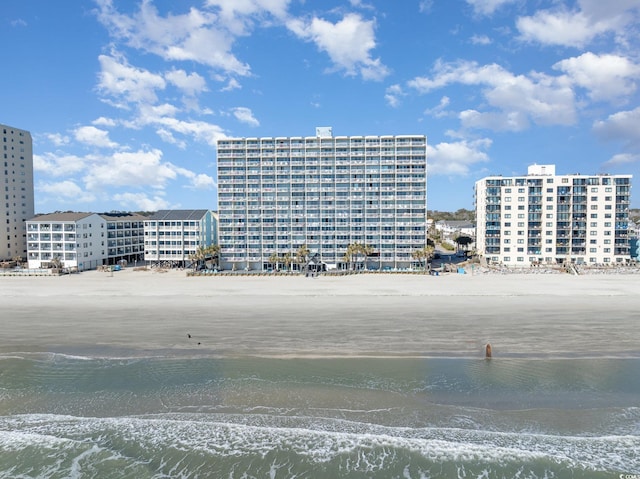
(544, 218)
(326, 192)
(172, 236)
(16, 180)
(84, 241)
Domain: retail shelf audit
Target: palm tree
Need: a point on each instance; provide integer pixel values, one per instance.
(302, 255)
(355, 251)
(424, 255)
(204, 253)
(213, 252)
(198, 257)
(287, 260)
(56, 263)
(274, 259)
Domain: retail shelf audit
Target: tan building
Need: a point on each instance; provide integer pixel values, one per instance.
(16, 180)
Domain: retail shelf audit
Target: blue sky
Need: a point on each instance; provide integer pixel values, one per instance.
(126, 99)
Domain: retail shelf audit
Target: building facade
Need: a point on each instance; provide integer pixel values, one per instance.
(84, 240)
(125, 237)
(172, 236)
(16, 179)
(76, 239)
(278, 194)
(542, 217)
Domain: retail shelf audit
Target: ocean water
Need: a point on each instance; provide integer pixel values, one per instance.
(137, 417)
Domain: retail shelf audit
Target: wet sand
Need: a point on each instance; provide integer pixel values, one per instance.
(152, 313)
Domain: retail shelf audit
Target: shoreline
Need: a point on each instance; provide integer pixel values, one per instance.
(353, 316)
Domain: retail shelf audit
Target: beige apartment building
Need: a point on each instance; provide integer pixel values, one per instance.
(16, 181)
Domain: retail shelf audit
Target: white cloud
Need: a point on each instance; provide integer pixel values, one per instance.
(456, 158)
(622, 159)
(90, 135)
(498, 121)
(66, 192)
(606, 77)
(197, 36)
(57, 139)
(516, 99)
(203, 182)
(233, 84)
(163, 118)
(102, 121)
(126, 83)
(19, 22)
(168, 137)
(425, 6)
(393, 95)
(487, 7)
(348, 43)
(136, 168)
(480, 40)
(439, 111)
(198, 181)
(191, 84)
(238, 15)
(245, 115)
(141, 201)
(52, 164)
(578, 27)
(572, 29)
(621, 126)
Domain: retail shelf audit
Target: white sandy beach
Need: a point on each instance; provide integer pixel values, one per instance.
(150, 312)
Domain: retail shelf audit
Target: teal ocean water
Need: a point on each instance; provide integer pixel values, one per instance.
(205, 417)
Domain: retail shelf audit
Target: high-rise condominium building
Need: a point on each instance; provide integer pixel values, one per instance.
(16, 179)
(542, 217)
(278, 194)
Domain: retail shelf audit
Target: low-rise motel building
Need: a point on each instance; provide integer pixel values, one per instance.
(84, 240)
(172, 236)
(544, 218)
